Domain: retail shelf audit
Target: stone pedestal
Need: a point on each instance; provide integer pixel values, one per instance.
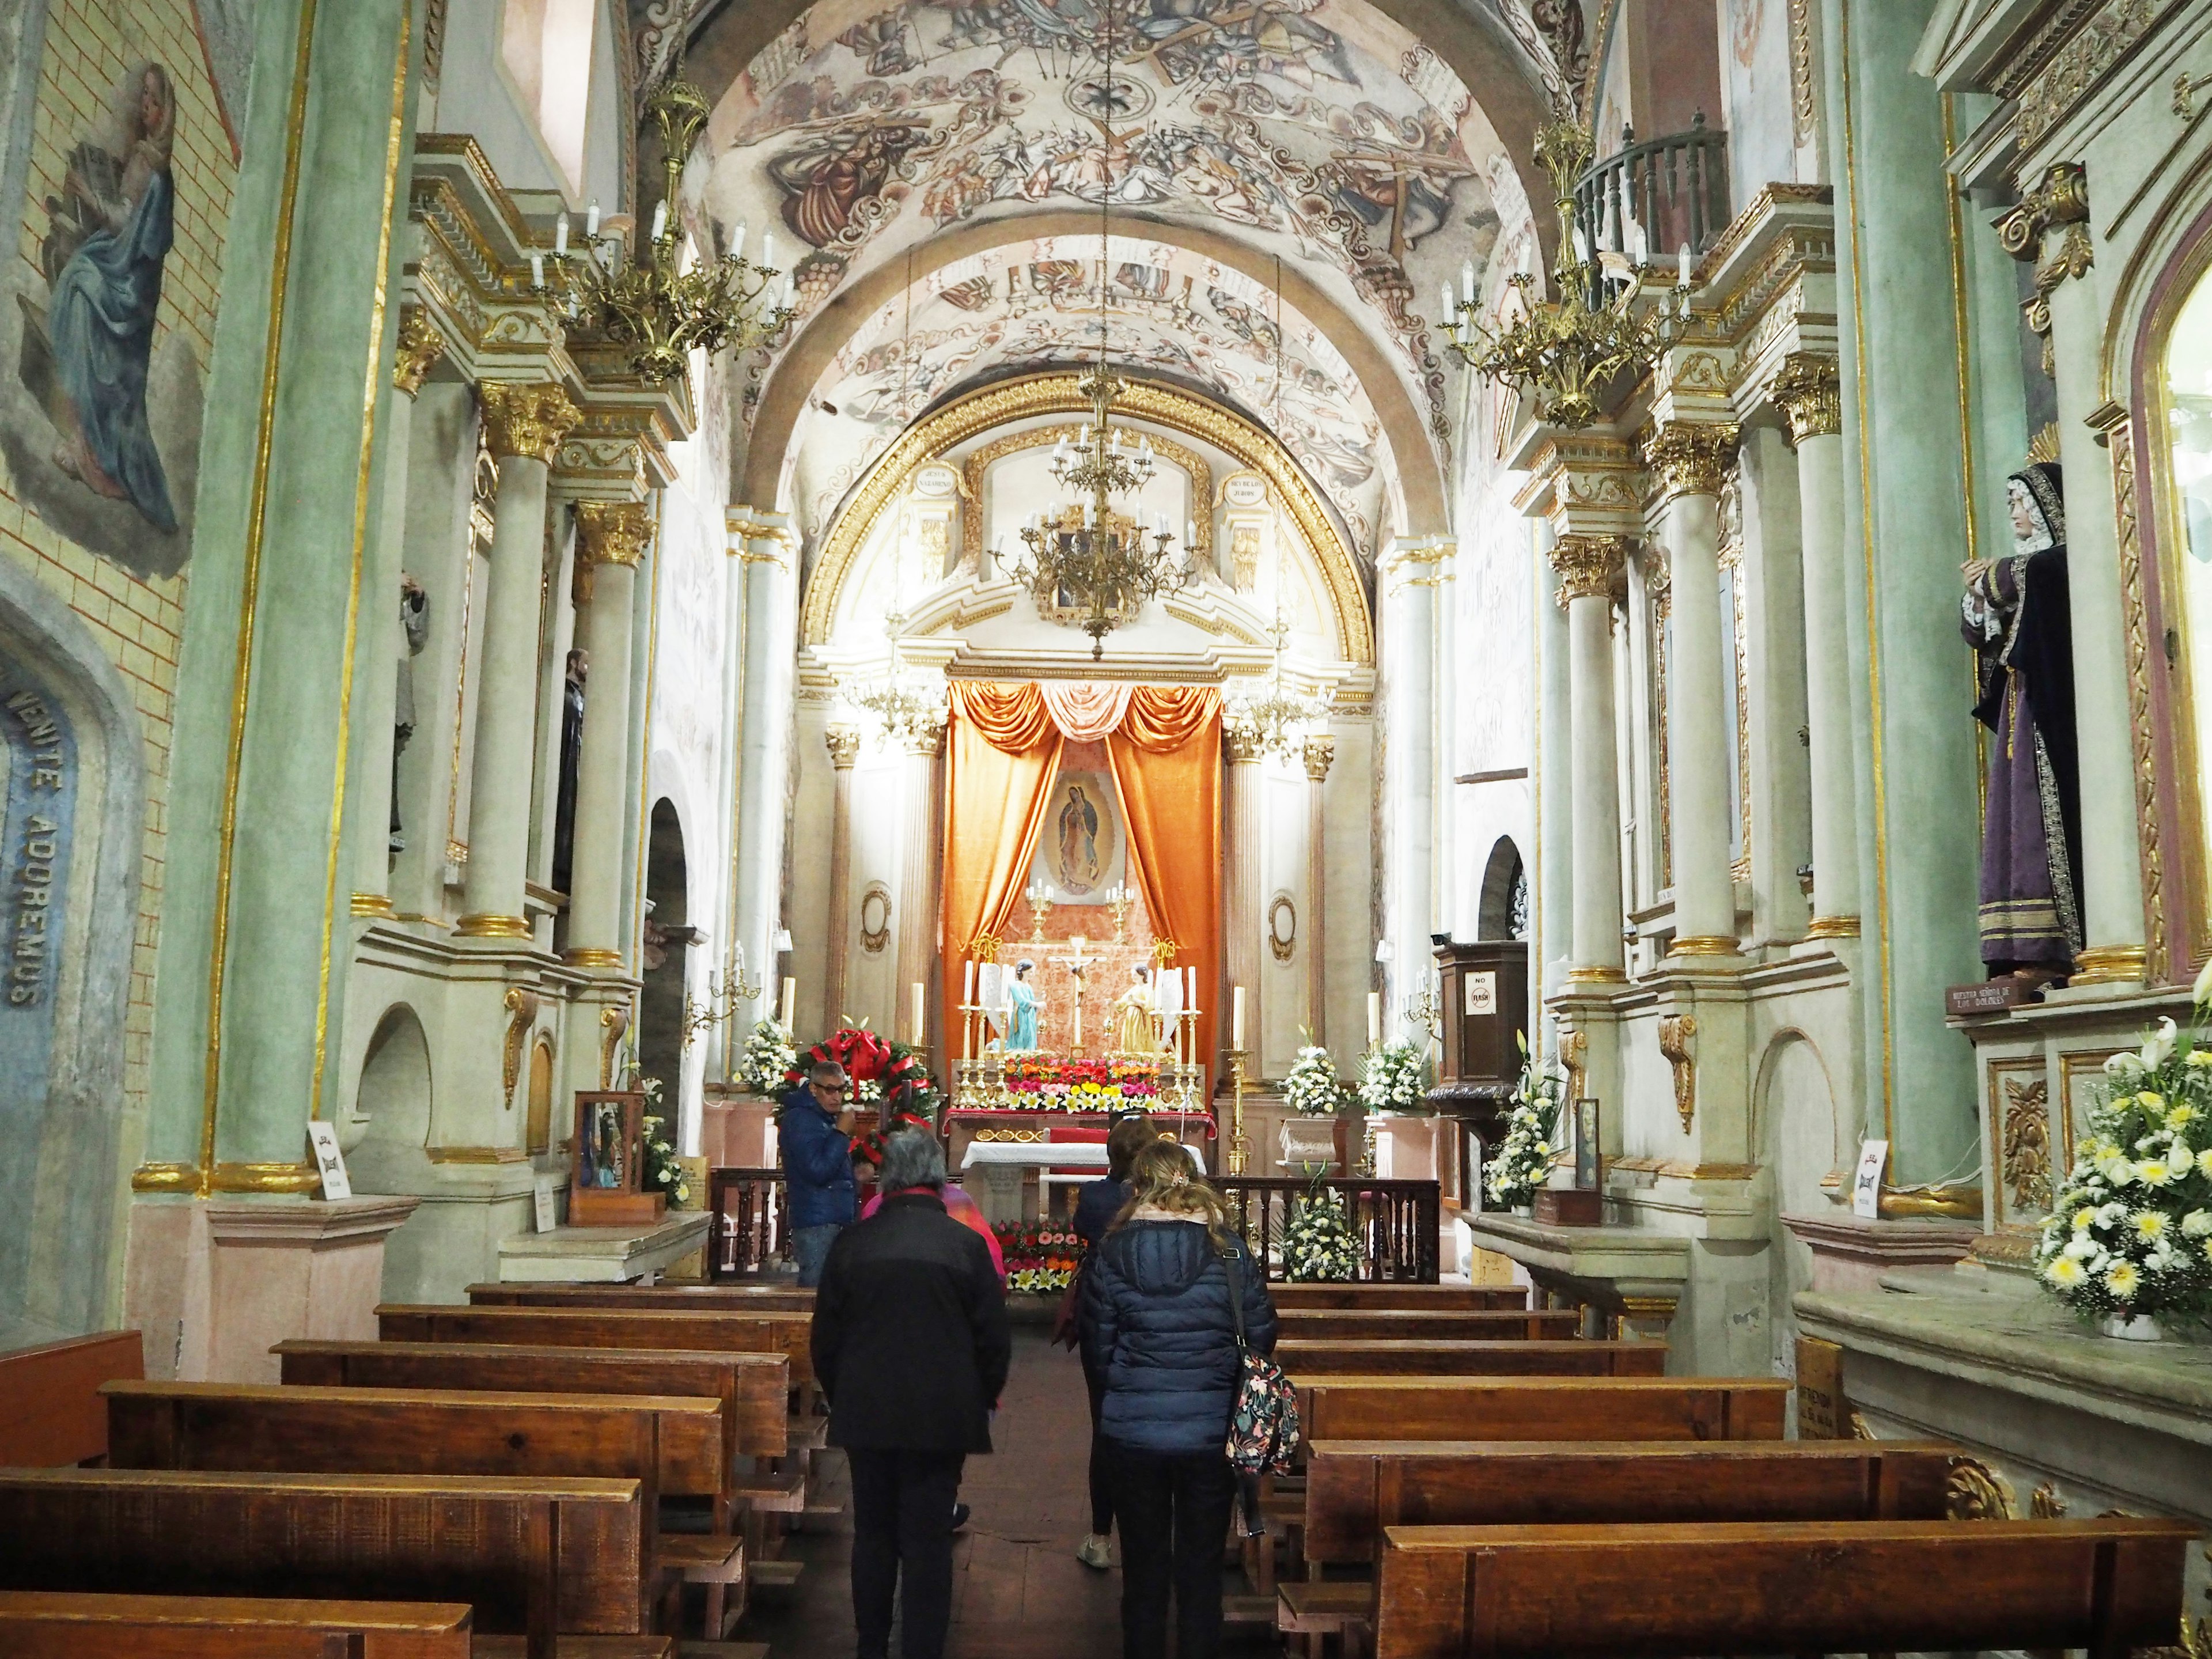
(215, 1283)
(1850, 1253)
(602, 1256)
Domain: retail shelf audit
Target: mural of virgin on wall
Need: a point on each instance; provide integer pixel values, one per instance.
(100, 429)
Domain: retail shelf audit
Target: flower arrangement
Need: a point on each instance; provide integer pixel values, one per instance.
(1312, 1086)
(662, 1173)
(1317, 1245)
(1076, 1085)
(1524, 1157)
(1393, 1078)
(765, 1065)
(2131, 1233)
(1041, 1256)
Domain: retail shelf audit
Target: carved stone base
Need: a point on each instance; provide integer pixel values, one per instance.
(1850, 1253)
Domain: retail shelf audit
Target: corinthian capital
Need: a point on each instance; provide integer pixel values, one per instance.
(1688, 458)
(420, 347)
(613, 532)
(1808, 392)
(526, 420)
(2063, 198)
(1586, 565)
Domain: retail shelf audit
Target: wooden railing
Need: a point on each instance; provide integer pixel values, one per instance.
(1675, 188)
(1394, 1223)
(752, 1231)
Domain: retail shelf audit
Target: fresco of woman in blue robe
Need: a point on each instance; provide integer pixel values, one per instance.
(110, 231)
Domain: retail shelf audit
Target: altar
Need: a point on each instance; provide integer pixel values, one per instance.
(1003, 1166)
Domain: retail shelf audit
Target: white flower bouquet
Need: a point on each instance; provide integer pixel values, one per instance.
(2131, 1233)
(1312, 1088)
(1317, 1245)
(1524, 1157)
(769, 1054)
(1394, 1078)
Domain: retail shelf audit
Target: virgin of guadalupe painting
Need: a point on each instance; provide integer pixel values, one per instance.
(1079, 853)
(107, 446)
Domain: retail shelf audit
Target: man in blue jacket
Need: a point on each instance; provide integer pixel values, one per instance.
(817, 1166)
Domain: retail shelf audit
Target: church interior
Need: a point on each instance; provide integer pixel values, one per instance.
(1473, 604)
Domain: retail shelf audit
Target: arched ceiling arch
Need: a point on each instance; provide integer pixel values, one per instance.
(1347, 417)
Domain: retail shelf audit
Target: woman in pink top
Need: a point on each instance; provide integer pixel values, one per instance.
(961, 1208)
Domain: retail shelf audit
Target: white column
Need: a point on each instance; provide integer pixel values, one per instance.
(611, 538)
(1686, 461)
(764, 732)
(2111, 877)
(844, 743)
(1807, 392)
(523, 424)
(1555, 875)
(1318, 753)
(1587, 566)
(1240, 893)
(1408, 577)
(921, 838)
(383, 642)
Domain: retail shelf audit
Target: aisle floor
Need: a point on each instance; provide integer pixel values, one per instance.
(1018, 1592)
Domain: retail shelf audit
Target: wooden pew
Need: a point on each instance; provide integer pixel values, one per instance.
(1402, 1325)
(705, 1298)
(51, 1413)
(597, 1327)
(1544, 1408)
(531, 1557)
(43, 1624)
(1572, 1358)
(1439, 1298)
(1355, 1489)
(1732, 1588)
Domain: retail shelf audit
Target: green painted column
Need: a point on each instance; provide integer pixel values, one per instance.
(1904, 538)
(250, 975)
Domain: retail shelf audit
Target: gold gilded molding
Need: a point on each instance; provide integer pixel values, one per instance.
(976, 463)
(371, 904)
(2063, 198)
(613, 1022)
(522, 1009)
(592, 955)
(166, 1178)
(1703, 945)
(1574, 1058)
(1242, 745)
(420, 347)
(613, 532)
(486, 924)
(476, 1155)
(1318, 752)
(526, 418)
(1833, 927)
(1676, 1033)
(1688, 458)
(1057, 394)
(1975, 1491)
(2109, 964)
(1804, 93)
(1949, 1200)
(1587, 566)
(844, 746)
(2120, 437)
(1809, 391)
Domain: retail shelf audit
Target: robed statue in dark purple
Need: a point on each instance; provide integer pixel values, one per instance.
(110, 231)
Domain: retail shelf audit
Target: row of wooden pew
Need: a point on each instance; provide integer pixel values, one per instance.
(1478, 1483)
(541, 1473)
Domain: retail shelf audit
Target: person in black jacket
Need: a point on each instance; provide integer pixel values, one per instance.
(1096, 1206)
(1157, 1323)
(911, 1345)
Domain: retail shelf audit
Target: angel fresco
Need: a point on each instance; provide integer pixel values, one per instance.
(86, 353)
(1220, 41)
(829, 179)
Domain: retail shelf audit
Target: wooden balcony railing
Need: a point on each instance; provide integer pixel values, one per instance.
(752, 1231)
(1675, 188)
(1394, 1223)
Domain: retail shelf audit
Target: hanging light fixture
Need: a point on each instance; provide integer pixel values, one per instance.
(1564, 351)
(659, 307)
(1281, 720)
(1091, 556)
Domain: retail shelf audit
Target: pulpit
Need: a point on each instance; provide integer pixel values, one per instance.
(1484, 1008)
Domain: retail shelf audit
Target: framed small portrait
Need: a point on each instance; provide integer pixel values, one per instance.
(1586, 1145)
(609, 1141)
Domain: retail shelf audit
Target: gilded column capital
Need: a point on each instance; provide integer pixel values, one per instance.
(420, 347)
(526, 419)
(844, 743)
(1808, 392)
(923, 739)
(1241, 744)
(2063, 198)
(613, 532)
(1688, 459)
(1587, 566)
(1317, 753)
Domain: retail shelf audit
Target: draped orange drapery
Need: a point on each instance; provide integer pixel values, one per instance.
(1003, 754)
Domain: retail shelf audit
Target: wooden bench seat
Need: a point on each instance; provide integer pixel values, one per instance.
(531, 1557)
(46, 1624)
(1573, 1358)
(1441, 1298)
(1356, 1489)
(1418, 1324)
(1543, 1408)
(49, 1411)
(754, 1388)
(1739, 1587)
(709, 1298)
(607, 1328)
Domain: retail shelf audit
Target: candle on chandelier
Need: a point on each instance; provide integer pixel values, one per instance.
(659, 217)
(1467, 282)
(561, 235)
(1682, 266)
(767, 250)
(1374, 1018)
(1189, 533)
(538, 270)
(790, 997)
(1446, 313)
(591, 220)
(737, 241)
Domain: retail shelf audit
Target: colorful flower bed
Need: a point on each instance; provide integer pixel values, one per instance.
(1041, 1256)
(1041, 1085)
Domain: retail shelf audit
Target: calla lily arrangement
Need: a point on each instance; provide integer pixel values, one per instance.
(2131, 1233)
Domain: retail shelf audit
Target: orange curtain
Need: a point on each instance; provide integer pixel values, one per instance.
(1167, 768)
(1002, 754)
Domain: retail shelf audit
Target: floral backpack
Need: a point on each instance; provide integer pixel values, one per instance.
(1263, 1422)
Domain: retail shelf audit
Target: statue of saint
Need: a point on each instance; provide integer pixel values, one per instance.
(1022, 1001)
(414, 634)
(2015, 614)
(1133, 1016)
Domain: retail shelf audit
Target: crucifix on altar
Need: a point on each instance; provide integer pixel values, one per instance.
(1078, 968)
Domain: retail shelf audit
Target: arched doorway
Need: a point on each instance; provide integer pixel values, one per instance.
(668, 937)
(395, 1088)
(1504, 911)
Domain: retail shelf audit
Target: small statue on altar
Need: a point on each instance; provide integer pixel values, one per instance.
(1023, 1007)
(1133, 1015)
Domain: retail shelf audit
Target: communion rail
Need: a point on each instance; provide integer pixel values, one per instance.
(752, 1231)
(1394, 1223)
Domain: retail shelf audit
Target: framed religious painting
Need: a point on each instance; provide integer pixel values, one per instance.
(606, 1182)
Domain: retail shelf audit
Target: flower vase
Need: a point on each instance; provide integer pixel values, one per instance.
(1526, 1211)
(2135, 1327)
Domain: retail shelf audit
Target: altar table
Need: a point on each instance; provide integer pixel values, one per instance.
(1002, 1163)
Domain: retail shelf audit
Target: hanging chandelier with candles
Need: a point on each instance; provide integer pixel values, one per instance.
(658, 305)
(1280, 721)
(908, 704)
(1562, 352)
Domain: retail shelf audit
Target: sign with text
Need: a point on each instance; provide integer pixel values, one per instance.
(1865, 1184)
(330, 1162)
(1482, 992)
(1821, 1413)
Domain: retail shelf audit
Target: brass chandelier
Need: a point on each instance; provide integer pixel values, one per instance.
(1562, 352)
(655, 305)
(1279, 722)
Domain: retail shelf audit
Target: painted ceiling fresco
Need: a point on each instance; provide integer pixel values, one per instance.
(1167, 313)
(1318, 129)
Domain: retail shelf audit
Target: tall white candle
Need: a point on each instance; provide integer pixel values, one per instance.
(790, 997)
(1236, 1019)
(1374, 1018)
(968, 994)
(561, 235)
(914, 1027)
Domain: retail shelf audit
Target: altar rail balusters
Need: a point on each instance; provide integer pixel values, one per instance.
(751, 1229)
(1394, 1223)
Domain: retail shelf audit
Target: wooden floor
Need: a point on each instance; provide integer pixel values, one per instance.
(1018, 1591)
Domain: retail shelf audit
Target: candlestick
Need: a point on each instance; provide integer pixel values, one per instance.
(1240, 1149)
(1236, 1019)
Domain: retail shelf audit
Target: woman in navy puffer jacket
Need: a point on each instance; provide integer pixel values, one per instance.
(1157, 1325)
